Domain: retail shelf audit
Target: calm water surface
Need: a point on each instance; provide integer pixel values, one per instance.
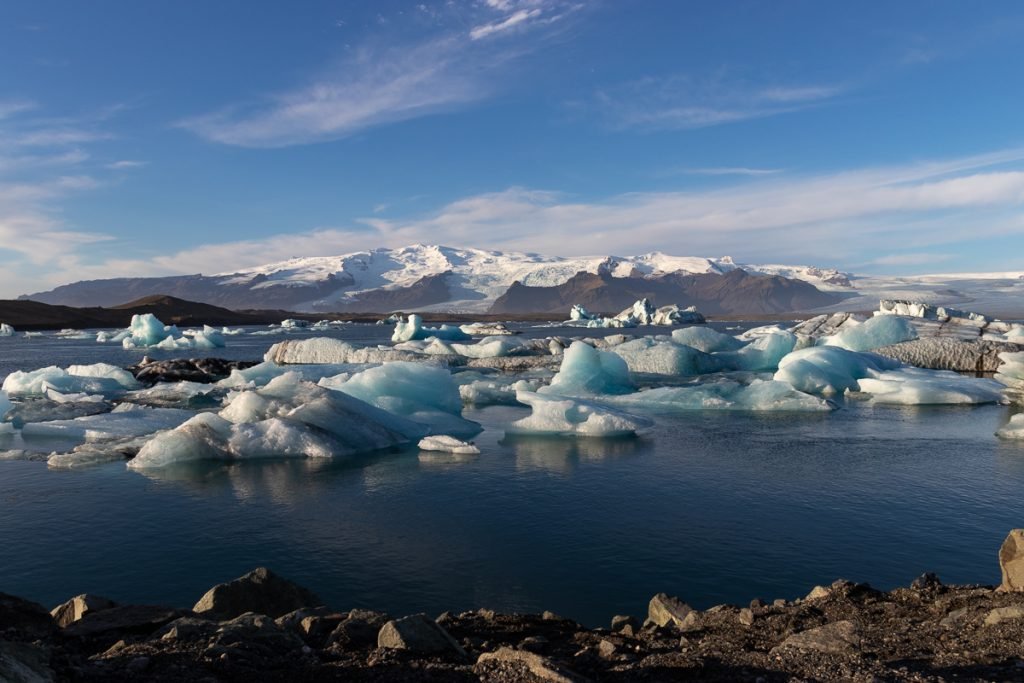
(713, 507)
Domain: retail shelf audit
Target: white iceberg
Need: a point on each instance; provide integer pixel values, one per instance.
(147, 331)
(562, 416)
(829, 370)
(705, 339)
(6, 330)
(98, 378)
(414, 329)
(424, 394)
(126, 420)
(1011, 370)
(763, 354)
(648, 355)
(726, 394)
(447, 444)
(916, 386)
(486, 329)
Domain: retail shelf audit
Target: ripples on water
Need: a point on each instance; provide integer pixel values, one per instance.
(714, 507)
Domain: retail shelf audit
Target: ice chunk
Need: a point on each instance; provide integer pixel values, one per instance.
(414, 329)
(258, 375)
(726, 394)
(68, 333)
(648, 355)
(1011, 370)
(6, 330)
(99, 378)
(486, 329)
(497, 347)
(579, 312)
(1014, 429)
(829, 369)
(327, 350)
(422, 393)
(588, 371)
(915, 386)
(294, 324)
(705, 339)
(174, 394)
(762, 354)
(562, 416)
(5, 404)
(126, 420)
(447, 444)
(882, 330)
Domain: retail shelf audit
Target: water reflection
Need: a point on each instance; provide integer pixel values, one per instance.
(439, 460)
(561, 455)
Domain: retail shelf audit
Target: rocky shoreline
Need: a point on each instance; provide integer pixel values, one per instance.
(261, 627)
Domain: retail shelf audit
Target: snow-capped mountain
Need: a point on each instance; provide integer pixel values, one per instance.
(431, 277)
(478, 277)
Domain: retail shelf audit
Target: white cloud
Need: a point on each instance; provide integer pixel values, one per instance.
(377, 85)
(125, 164)
(684, 102)
(917, 259)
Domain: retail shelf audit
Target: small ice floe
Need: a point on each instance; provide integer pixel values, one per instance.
(447, 444)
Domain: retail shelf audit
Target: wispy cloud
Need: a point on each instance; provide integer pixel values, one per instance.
(731, 170)
(838, 219)
(683, 101)
(375, 85)
(125, 164)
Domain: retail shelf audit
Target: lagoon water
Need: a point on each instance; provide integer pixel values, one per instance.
(713, 507)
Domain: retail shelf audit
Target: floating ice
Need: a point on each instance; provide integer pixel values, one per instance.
(1011, 370)
(495, 391)
(1014, 429)
(58, 397)
(447, 444)
(69, 333)
(882, 330)
(705, 339)
(579, 312)
(258, 375)
(488, 347)
(173, 394)
(6, 330)
(287, 418)
(649, 355)
(588, 371)
(915, 386)
(413, 329)
(829, 370)
(422, 393)
(147, 331)
(293, 324)
(126, 420)
(5, 407)
(99, 378)
(327, 350)
(726, 394)
(769, 346)
(486, 329)
(561, 416)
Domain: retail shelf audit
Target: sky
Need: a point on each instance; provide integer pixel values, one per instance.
(198, 136)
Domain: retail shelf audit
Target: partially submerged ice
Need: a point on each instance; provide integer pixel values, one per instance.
(124, 421)
(916, 386)
(1014, 429)
(563, 416)
(829, 370)
(6, 330)
(447, 444)
(882, 330)
(147, 331)
(286, 418)
(325, 350)
(726, 394)
(651, 356)
(413, 329)
(642, 312)
(706, 339)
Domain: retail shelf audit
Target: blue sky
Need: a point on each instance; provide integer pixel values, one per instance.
(181, 137)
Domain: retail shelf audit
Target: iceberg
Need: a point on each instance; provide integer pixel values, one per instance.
(579, 312)
(147, 331)
(424, 394)
(1011, 370)
(6, 330)
(294, 324)
(705, 339)
(586, 371)
(414, 329)
(648, 355)
(447, 444)
(486, 329)
(829, 370)
(1014, 429)
(126, 420)
(495, 391)
(99, 378)
(915, 386)
(325, 350)
(763, 354)
(286, 418)
(488, 347)
(562, 416)
(882, 330)
(726, 394)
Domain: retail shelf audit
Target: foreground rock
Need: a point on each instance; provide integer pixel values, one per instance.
(202, 370)
(79, 606)
(841, 632)
(1011, 561)
(261, 590)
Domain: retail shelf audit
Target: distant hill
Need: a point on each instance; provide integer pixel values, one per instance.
(732, 293)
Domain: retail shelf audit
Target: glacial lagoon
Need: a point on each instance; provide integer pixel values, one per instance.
(713, 506)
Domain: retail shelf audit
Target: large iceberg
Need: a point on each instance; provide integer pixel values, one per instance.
(98, 378)
(424, 394)
(562, 416)
(287, 418)
(147, 331)
(326, 350)
(124, 421)
(829, 370)
(763, 354)
(414, 329)
(586, 371)
(882, 330)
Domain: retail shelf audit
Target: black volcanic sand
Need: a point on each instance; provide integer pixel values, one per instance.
(928, 632)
